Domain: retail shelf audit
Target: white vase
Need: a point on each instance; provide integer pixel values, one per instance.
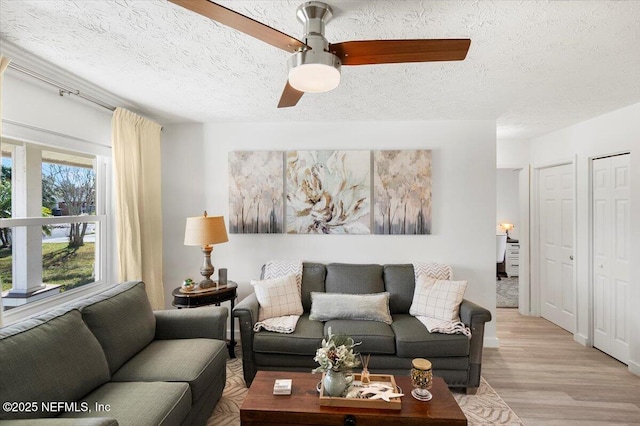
(336, 383)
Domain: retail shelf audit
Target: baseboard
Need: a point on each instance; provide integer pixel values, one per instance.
(582, 339)
(491, 342)
(634, 368)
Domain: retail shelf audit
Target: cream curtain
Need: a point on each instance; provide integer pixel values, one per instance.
(136, 157)
(4, 63)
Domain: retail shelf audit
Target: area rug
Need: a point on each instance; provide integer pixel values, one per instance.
(484, 408)
(507, 292)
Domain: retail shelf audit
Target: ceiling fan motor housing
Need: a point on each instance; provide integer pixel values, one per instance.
(316, 69)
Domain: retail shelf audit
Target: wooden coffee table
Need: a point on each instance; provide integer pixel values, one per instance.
(302, 407)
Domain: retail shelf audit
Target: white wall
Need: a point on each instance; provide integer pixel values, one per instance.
(464, 203)
(38, 106)
(615, 132)
(508, 200)
(512, 153)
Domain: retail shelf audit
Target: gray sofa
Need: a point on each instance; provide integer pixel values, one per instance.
(455, 357)
(109, 359)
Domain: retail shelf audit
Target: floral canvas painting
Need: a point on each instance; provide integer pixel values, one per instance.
(402, 192)
(256, 193)
(328, 192)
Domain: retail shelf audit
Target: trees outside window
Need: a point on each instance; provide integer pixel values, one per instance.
(76, 188)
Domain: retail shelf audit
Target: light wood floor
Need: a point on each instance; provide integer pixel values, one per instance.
(549, 379)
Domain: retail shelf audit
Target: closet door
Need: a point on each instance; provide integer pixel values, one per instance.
(611, 229)
(557, 289)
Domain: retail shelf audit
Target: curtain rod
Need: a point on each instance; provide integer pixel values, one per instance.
(64, 89)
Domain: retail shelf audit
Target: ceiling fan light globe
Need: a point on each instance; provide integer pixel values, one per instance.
(314, 78)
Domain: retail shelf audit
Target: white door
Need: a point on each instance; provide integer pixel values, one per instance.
(611, 230)
(557, 291)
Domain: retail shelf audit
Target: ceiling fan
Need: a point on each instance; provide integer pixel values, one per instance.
(315, 64)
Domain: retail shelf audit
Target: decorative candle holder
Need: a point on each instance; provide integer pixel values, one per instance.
(421, 379)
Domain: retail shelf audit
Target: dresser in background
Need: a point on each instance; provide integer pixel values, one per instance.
(512, 259)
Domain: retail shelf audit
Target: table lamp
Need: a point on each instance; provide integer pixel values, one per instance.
(205, 231)
(507, 227)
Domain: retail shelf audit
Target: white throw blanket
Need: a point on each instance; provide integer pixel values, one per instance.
(274, 269)
(435, 325)
(446, 327)
(286, 324)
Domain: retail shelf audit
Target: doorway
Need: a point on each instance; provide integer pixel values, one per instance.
(516, 195)
(508, 212)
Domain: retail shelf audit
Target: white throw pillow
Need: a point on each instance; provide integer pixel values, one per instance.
(438, 299)
(278, 297)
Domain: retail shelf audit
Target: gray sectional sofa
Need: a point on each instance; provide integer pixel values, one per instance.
(455, 357)
(109, 359)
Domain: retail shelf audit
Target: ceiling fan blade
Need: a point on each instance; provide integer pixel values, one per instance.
(368, 52)
(290, 96)
(242, 23)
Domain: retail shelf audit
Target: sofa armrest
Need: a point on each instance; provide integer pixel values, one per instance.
(208, 322)
(474, 317)
(247, 308)
(247, 313)
(472, 314)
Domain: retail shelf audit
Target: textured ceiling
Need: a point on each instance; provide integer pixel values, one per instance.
(534, 66)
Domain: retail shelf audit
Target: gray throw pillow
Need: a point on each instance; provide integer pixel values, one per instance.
(370, 307)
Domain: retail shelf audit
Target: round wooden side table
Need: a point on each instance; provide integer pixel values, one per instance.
(211, 296)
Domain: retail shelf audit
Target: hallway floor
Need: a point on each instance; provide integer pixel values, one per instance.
(549, 379)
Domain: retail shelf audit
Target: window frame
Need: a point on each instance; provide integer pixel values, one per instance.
(46, 140)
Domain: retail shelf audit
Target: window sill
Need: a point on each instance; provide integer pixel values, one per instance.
(40, 306)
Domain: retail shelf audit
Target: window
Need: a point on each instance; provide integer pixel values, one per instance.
(52, 222)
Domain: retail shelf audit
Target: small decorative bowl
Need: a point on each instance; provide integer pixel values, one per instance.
(188, 285)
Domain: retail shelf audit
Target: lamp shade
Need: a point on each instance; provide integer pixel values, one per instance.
(205, 230)
(507, 226)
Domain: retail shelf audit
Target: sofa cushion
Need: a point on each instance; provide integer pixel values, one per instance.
(354, 279)
(399, 281)
(438, 299)
(305, 340)
(140, 403)
(52, 357)
(122, 320)
(195, 361)
(313, 276)
(413, 340)
(277, 297)
(367, 307)
(375, 337)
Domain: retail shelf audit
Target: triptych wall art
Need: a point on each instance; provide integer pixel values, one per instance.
(330, 192)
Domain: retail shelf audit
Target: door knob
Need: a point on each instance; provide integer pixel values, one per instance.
(571, 257)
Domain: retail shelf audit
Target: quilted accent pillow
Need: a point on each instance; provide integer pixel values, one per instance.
(369, 307)
(278, 297)
(438, 299)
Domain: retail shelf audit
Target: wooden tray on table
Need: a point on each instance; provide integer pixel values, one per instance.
(393, 404)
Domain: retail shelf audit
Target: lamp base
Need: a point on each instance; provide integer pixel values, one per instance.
(206, 283)
(207, 268)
